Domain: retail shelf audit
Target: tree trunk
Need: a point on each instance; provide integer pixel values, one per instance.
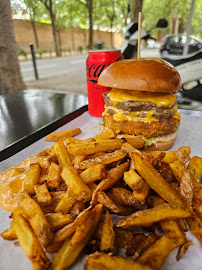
(137, 7)
(111, 35)
(73, 39)
(90, 14)
(56, 43)
(10, 75)
(84, 38)
(35, 33)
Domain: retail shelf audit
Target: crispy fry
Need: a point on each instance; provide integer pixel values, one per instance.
(142, 193)
(30, 243)
(136, 141)
(156, 254)
(114, 175)
(77, 208)
(155, 180)
(43, 179)
(42, 194)
(61, 136)
(122, 237)
(68, 253)
(77, 159)
(196, 163)
(171, 155)
(187, 185)
(133, 180)
(140, 243)
(9, 234)
(183, 249)
(107, 202)
(195, 225)
(108, 235)
(182, 155)
(159, 213)
(54, 173)
(82, 230)
(66, 203)
(38, 220)
(73, 181)
(106, 134)
(177, 167)
(94, 147)
(93, 173)
(182, 225)
(32, 178)
(62, 154)
(43, 153)
(124, 197)
(104, 159)
(170, 227)
(58, 220)
(101, 261)
(69, 229)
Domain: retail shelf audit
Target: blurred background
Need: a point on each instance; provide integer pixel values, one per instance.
(62, 32)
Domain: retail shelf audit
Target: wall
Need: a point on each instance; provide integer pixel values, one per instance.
(24, 36)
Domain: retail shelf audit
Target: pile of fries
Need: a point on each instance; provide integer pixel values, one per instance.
(75, 191)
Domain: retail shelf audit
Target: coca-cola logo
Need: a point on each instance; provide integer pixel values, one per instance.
(95, 72)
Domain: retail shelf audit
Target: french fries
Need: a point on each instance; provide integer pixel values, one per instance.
(108, 235)
(155, 180)
(171, 228)
(32, 178)
(73, 181)
(58, 220)
(62, 154)
(156, 254)
(61, 136)
(136, 141)
(37, 218)
(149, 216)
(93, 173)
(29, 242)
(63, 191)
(68, 253)
(54, 175)
(183, 249)
(98, 261)
(42, 194)
(195, 164)
(104, 159)
(94, 147)
(66, 203)
(9, 234)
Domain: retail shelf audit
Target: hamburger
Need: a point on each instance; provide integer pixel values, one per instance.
(141, 102)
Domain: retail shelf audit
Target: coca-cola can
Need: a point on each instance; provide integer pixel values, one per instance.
(96, 62)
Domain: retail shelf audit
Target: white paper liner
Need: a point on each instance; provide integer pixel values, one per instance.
(190, 134)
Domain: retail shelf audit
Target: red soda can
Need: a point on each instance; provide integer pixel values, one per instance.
(96, 62)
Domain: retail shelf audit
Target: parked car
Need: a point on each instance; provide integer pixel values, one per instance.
(174, 44)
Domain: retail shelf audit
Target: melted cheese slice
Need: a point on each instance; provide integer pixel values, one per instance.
(120, 115)
(160, 99)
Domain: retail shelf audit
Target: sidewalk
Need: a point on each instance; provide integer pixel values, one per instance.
(66, 83)
(73, 82)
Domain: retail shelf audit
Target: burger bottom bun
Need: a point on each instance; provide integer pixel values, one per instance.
(161, 145)
(145, 129)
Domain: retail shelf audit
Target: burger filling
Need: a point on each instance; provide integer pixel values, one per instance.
(126, 105)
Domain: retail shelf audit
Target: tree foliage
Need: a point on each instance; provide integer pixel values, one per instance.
(168, 9)
(111, 14)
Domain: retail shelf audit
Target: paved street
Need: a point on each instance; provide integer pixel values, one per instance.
(63, 74)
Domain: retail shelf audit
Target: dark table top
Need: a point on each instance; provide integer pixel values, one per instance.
(25, 112)
(29, 115)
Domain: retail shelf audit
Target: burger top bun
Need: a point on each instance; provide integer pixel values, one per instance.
(146, 74)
